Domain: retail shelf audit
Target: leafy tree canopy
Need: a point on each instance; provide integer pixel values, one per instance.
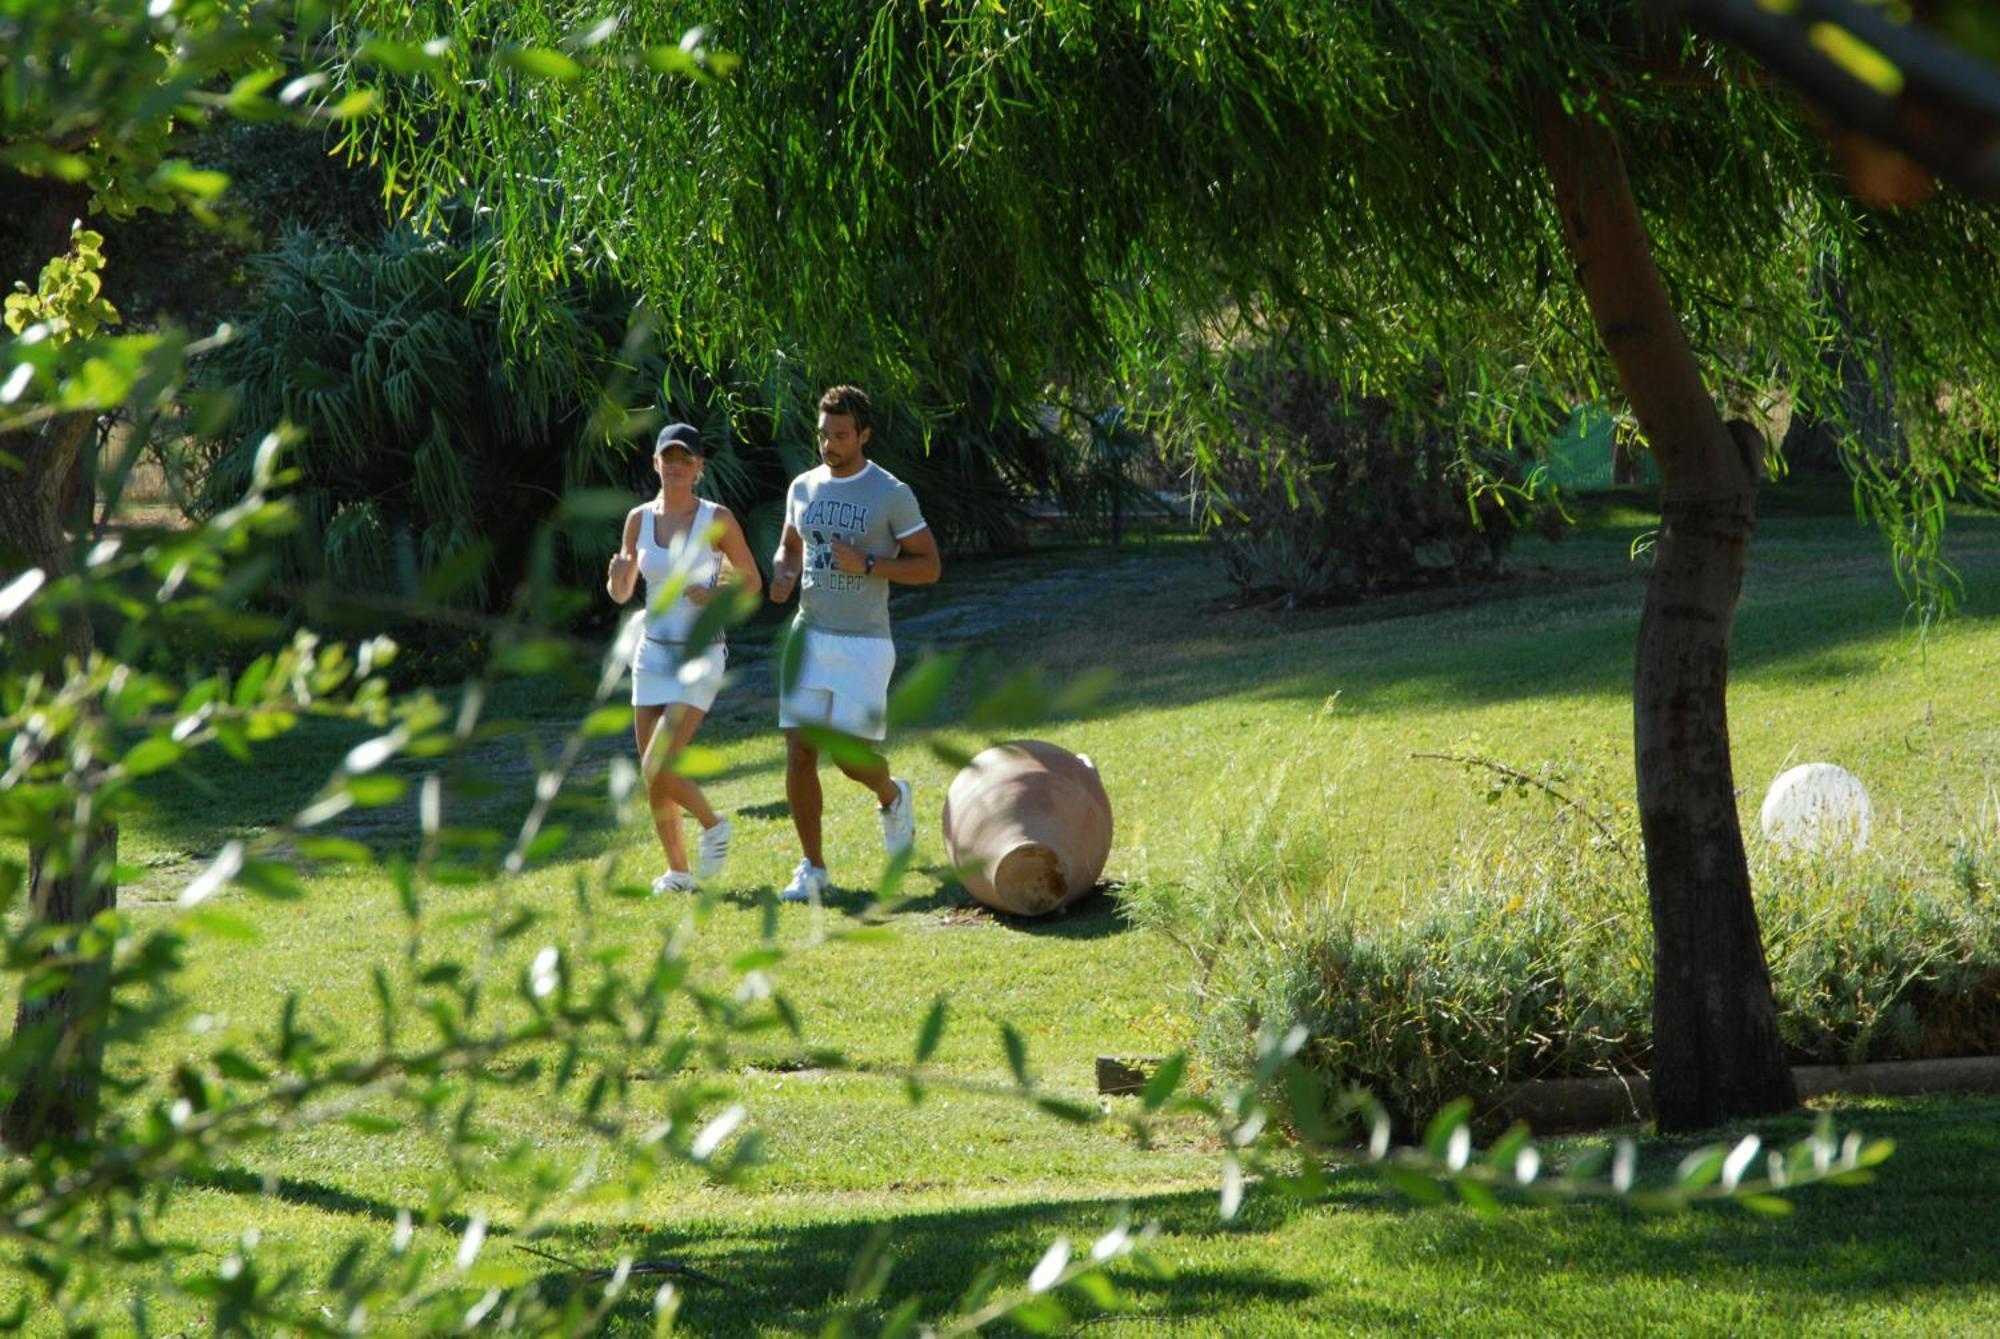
(1132, 189)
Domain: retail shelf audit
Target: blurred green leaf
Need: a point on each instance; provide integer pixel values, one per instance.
(1040, 1315)
(358, 103)
(931, 1032)
(1076, 1113)
(270, 878)
(595, 506)
(191, 181)
(1478, 1197)
(149, 755)
(614, 719)
(369, 1123)
(1082, 692)
(539, 655)
(1413, 1185)
(401, 58)
(917, 694)
(1163, 1081)
(1017, 1053)
(757, 959)
(222, 924)
(1447, 1122)
(1700, 1168)
(1767, 1206)
(463, 568)
(543, 63)
(699, 762)
(375, 789)
(547, 842)
(232, 1064)
(335, 850)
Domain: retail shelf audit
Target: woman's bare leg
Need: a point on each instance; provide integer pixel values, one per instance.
(659, 796)
(666, 784)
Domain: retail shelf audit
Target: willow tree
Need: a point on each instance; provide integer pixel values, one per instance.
(1430, 192)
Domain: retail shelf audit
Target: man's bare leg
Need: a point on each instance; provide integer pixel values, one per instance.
(803, 793)
(873, 774)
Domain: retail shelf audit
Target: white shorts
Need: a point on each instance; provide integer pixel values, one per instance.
(660, 678)
(842, 684)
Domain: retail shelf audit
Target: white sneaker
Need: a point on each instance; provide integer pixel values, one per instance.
(899, 820)
(675, 881)
(808, 884)
(712, 849)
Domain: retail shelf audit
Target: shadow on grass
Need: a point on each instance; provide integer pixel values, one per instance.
(1920, 1226)
(792, 1278)
(198, 806)
(1546, 631)
(1095, 915)
(307, 1194)
(1920, 1231)
(860, 901)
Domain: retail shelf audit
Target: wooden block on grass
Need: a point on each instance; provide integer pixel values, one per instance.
(1124, 1074)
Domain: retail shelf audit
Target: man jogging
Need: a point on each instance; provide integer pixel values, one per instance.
(851, 528)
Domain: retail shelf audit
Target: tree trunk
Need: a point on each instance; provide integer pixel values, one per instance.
(1624, 463)
(62, 1029)
(1716, 1051)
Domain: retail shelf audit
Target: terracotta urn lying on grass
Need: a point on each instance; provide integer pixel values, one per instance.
(1028, 827)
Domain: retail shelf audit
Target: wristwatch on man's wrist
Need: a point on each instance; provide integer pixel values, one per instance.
(868, 565)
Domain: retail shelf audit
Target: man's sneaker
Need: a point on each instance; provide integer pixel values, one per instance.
(675, 881)
(808, 884)
(712, 849)
(899, 820)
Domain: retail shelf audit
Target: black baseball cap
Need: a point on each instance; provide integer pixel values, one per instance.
(684, 435)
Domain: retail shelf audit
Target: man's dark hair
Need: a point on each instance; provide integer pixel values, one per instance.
(851, 401)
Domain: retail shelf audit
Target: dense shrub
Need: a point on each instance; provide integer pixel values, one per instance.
(433, 441)
(425, 438)
(1532, 959)
(1114, 477)
(1327, 496)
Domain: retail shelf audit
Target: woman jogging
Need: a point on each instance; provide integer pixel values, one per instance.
(678, 537)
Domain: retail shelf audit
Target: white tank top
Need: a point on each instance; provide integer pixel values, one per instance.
(691, 552)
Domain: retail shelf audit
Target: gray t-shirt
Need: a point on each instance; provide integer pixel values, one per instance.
(874, 511)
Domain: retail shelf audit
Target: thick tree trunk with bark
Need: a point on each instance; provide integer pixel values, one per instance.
(1716, 1049)
(63, 1028)
(57, 1097)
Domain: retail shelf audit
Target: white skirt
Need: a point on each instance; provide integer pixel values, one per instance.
(842, 684)
(661, 678)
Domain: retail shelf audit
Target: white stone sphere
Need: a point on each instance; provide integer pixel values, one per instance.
(1817, 806)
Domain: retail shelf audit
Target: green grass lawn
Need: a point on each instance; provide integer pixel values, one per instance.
(1213, 717)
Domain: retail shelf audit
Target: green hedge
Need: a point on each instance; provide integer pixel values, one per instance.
(1533, 959)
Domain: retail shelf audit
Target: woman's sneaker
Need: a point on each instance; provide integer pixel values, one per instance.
(712, 849)
(899, 820)
(808, 884)
(675, 881)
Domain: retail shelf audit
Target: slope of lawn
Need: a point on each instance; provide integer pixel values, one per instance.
(1212, 716)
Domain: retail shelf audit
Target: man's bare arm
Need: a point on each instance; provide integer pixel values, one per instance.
(916, 563)
(785, 565)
